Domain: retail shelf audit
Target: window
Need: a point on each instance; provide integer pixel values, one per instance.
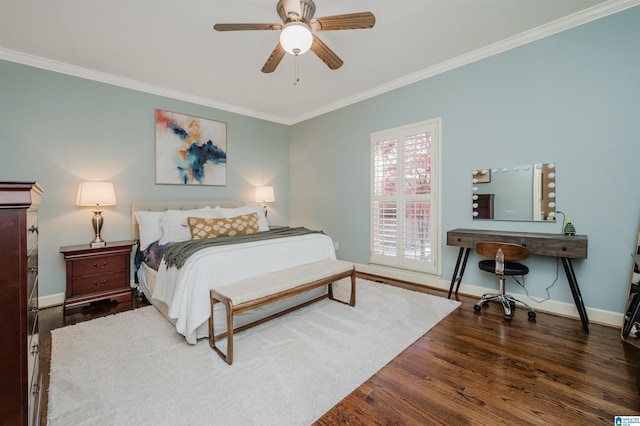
(404, 197)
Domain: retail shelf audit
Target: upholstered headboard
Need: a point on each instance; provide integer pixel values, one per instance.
(158, 206)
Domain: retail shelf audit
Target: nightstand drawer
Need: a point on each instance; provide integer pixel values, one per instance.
(97, 284)
(98, 265)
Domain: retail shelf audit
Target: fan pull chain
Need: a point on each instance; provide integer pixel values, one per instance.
(296, 78)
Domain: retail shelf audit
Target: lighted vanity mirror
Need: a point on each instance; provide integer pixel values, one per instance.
(523, 193)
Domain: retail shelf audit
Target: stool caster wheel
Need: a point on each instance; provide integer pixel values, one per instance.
(477, 308)
(532, 315)
(485, 304)
(507, 317)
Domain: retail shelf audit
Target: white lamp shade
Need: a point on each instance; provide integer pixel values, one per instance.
(296, 38)
(96, 193)
(265, 194)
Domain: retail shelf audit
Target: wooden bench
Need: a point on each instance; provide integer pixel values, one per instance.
(258, 291)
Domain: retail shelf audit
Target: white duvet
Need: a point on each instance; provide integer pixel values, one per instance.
(185, 291)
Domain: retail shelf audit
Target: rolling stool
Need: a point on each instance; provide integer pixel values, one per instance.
(511, 252)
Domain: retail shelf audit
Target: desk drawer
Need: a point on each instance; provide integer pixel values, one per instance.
(460, 240)
(575, 248)
(98, 265)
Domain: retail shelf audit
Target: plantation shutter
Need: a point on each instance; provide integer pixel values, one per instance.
(404, 220)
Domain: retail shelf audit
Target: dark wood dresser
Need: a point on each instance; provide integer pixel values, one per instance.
(20, 377)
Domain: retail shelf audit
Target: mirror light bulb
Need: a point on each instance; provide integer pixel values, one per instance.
(475, 214)
(552, 204)
(551, 185)
(552, 195)
(552, 175)
(475, 205)
(475, 188)
(475, 197)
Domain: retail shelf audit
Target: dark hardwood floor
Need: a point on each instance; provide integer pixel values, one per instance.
(473, 369)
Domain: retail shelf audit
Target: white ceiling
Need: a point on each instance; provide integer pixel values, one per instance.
(170, 48)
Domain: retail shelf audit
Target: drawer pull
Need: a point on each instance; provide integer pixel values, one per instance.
(100, 266)
(33, 229)
(35, 349)
(102, 284)
(33, 269)
(564, 248)
(35, 389)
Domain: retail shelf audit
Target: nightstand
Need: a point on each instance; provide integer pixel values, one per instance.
(99, 273)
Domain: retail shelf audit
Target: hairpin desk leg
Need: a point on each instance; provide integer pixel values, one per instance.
(575, 291)
(458, 272)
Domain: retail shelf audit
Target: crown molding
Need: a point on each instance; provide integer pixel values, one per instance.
(89, 74)
(596, 12)
(568, 22)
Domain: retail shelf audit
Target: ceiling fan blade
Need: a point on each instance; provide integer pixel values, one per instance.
(246, 27)
(351, 21)
(275, 58)
(327, 55)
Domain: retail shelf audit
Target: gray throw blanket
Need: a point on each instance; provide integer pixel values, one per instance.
(177, 255)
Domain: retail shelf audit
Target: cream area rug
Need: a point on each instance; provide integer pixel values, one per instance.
(134, 369)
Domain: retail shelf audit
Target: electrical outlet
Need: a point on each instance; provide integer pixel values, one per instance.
(336, 245)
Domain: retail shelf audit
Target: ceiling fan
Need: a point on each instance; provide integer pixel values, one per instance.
(297, 31)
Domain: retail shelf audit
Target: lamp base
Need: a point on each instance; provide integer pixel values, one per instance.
(97, 222)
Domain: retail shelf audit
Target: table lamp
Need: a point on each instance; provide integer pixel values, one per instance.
(96, 194)
(264, 195)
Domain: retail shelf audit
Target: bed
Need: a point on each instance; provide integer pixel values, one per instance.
(182, 294)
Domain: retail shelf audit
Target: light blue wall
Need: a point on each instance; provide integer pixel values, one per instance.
(572, 98)
(60, 130)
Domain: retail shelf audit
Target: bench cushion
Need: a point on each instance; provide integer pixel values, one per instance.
(275, 282)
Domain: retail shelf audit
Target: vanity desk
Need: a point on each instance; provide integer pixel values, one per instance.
(541, 244)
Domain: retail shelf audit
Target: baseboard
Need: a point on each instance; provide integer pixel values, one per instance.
(58, 298)
(600, 316)
(51, 300)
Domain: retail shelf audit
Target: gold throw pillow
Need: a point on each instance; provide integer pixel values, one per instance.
(202, 228)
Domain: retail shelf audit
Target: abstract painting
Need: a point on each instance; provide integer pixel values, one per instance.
(190, 150)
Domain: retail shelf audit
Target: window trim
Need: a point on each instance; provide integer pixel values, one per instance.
(434, 126)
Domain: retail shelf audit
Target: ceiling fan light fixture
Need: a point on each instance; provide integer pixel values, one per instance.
(296, 38)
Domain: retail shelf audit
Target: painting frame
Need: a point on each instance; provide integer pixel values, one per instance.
(189, 150)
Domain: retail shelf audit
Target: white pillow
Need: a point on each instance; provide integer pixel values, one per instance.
(258, 209)
(149, 227)
(174, 223)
